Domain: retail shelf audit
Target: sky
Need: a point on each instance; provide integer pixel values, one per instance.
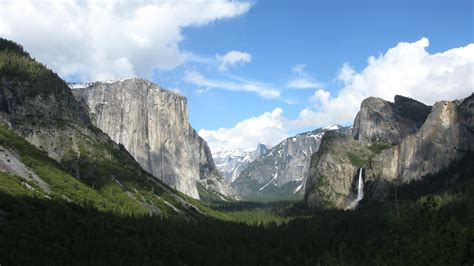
(257, 71)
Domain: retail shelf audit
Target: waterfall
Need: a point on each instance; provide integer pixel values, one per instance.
(360, 187)
(360, 191)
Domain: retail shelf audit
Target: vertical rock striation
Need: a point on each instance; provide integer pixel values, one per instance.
(152, 124)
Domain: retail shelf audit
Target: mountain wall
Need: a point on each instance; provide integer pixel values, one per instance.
(445, 136)
(152, 124)
(394, 143)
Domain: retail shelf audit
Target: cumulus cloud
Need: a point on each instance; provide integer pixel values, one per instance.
(268, 128)
(109, 39)
(237, 84)
(233, 58)
(303, 79)
(406, 69)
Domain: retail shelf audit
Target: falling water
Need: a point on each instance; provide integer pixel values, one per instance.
(360, 191)
(360, 187)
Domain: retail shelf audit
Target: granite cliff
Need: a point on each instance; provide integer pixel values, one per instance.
(152, 124)
(394, 143)
(383, 121)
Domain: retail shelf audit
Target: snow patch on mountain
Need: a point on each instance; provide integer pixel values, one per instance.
(275, 176)
(231, 162)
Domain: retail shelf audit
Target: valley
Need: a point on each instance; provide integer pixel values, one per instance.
(113, 173)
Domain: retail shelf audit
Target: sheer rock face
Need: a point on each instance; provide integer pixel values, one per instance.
(382, 121)
(331, 172)
(152, 124)
(443, 138)
(415, 151)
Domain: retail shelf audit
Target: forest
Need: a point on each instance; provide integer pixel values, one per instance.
(424, 222)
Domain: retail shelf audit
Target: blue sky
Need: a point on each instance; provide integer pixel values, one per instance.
(321, 34)
(258, 71)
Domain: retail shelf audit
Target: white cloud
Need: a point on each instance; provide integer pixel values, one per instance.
(109, 39)
(303, 79)
(268, 128)
(261, 89)
(320, 98)
(346, 73)
(303, 83)
(233, 58)
(407, 69)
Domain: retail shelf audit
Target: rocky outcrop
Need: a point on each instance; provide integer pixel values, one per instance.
(29, 102)
(394, 143)
(331, 172)
(281, 172)
(152, 124)
(45, 113)
(11, 163)
(445, 136)
(382, 121)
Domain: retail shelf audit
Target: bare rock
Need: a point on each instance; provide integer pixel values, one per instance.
(382, 121)
(152, 124)
(394, 143)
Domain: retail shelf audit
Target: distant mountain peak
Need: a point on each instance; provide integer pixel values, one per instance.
(280, 172)
(231, 162)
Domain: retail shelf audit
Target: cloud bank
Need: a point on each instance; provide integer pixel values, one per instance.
(97, 40)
